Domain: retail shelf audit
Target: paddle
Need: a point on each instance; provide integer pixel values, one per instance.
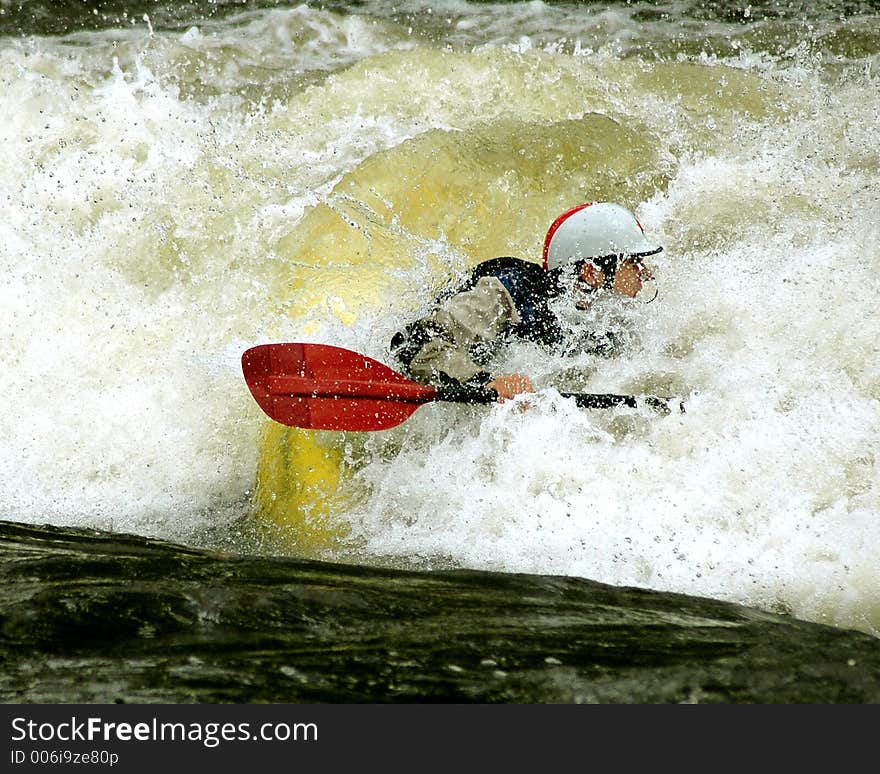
(322, 387)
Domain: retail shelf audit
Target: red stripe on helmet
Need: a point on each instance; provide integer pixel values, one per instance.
(555, 226)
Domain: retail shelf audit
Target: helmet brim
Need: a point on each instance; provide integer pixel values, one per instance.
(644, 253)
(622, 256)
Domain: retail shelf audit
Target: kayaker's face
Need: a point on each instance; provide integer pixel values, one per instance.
(630, 276)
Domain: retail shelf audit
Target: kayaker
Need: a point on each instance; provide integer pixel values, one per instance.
(593, 248)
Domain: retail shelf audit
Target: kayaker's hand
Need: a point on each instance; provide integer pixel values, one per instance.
(510, 385)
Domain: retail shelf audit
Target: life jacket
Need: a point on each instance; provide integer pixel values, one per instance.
(530, 286)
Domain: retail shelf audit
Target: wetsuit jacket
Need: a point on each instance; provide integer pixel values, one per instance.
(503, 297)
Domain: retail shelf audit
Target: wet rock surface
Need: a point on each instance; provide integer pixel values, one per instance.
(90, 617)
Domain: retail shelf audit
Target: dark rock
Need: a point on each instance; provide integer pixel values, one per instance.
(90, 617)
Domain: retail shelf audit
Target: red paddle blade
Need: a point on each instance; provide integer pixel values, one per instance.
(322, 387)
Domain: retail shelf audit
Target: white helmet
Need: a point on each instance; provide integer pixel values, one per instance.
(595, 230)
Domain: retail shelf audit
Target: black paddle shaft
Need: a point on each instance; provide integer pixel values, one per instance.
(461, 393)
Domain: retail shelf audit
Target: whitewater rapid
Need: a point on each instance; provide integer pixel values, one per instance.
(169, 196)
